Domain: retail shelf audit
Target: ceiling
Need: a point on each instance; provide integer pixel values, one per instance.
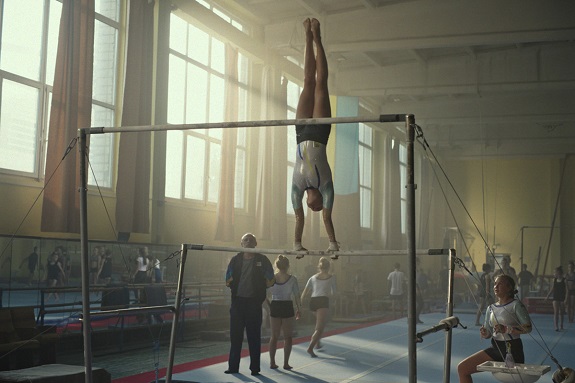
(483, 78)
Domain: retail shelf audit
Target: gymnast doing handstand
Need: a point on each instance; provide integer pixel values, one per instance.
(312, 173)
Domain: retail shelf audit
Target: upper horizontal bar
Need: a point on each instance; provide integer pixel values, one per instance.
(247, 124)
(316, 252)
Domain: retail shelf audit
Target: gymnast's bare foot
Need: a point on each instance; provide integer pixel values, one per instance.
(315, 29)
(307, 25)
(287, 367)
(311, 353)
(273, 366)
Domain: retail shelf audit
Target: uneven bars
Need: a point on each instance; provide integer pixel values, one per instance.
(302, 253)
(247, 124)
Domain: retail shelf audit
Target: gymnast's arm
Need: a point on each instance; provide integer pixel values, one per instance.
(328, 195)
(296, 200)
(308, 287)
(327, 221)
(295, 292)
(299, 223)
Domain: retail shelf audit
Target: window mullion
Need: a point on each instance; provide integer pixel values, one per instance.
(207, 171)
(43, 116)
(43, 128)
(44, 58)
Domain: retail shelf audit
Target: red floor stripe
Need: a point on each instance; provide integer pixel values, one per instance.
(150, 376)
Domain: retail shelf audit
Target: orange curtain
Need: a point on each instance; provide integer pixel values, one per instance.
(134, 162)
(225, 209)
(71, 109)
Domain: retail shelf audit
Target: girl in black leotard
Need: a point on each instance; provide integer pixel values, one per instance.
(53, 270)
(559, 292)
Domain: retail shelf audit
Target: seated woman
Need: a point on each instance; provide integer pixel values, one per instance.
(505, 320)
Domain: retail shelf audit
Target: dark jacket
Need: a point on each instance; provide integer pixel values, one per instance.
(263, 275)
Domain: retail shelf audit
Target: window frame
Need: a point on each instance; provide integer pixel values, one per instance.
(213, 137)
(363, 188)
(112, 159)
(44, 92)
(44, 87)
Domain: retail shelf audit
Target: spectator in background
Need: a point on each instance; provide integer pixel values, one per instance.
(157, 270)
(32, 261)
(140, 277)
(94, 264)
(506, 269)
(68, 266)
(105, 269)
(485, 291)
(54, 269)
(396, 282)
(64, 261)
(525, 280)
(141, 263)
(141, 274)
(559, 292)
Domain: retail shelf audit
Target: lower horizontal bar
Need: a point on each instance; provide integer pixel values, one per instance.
(316, 252)
(247, 124)
(135, 310)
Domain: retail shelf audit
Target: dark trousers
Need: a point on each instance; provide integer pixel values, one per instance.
(245, 313)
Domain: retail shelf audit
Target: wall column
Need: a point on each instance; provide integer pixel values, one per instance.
(567, 217)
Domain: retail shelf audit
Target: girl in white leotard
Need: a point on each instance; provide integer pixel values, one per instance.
(312, 174)
(321, 286)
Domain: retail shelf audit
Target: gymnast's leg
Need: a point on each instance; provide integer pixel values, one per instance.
(322, 107)
(305, 106)
(305, 109)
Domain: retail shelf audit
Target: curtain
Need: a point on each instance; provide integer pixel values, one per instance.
(133, 185)
(346, 168)
(347, 204)
(271, 182)
(426, 193)
(391, 225)
(159, 143)
(71, 109)
(225, 208)
(280, 151)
